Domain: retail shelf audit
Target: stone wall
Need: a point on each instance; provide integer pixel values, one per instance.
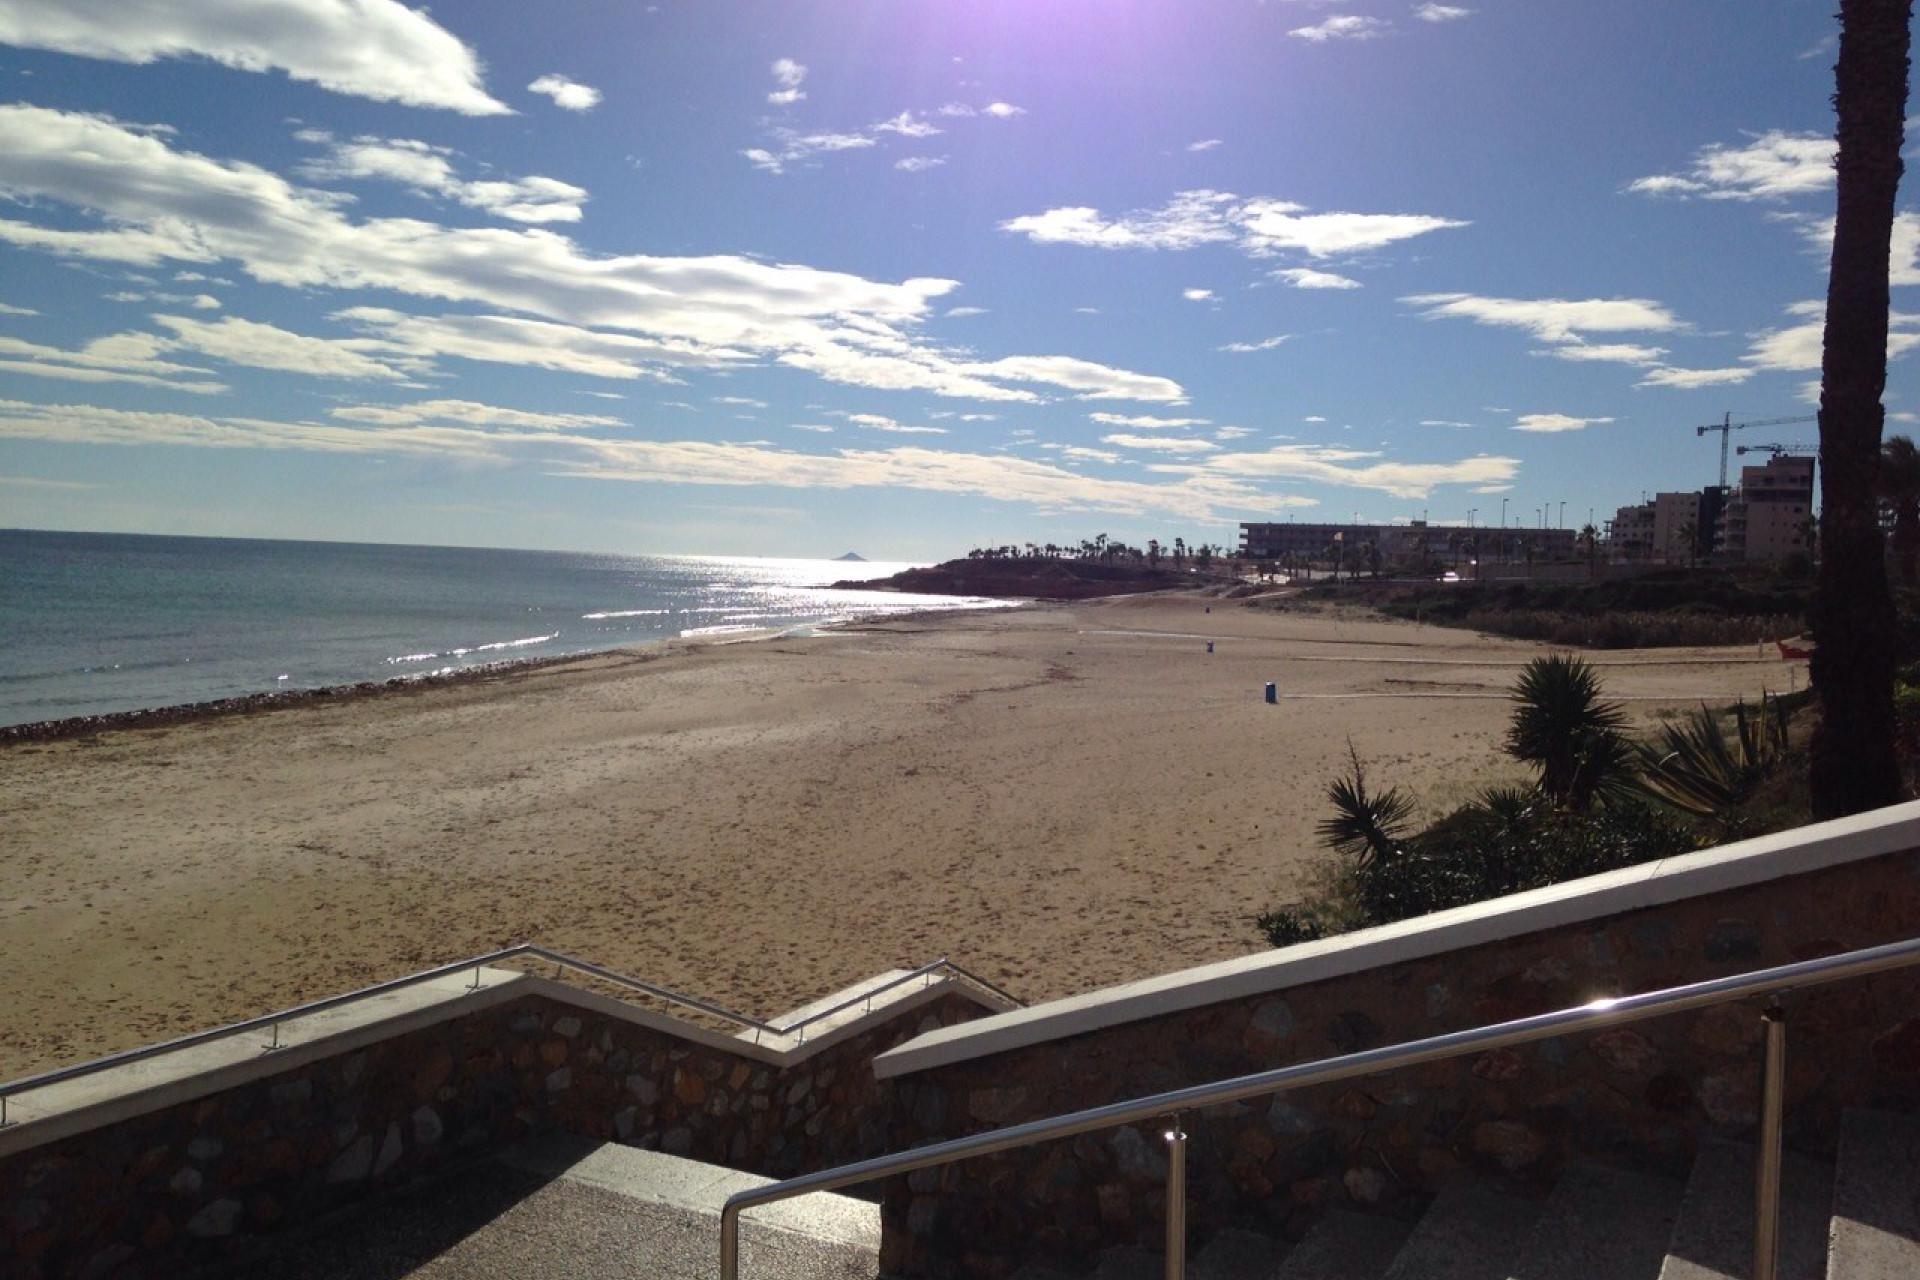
(204, 1182)
(1639, 1095)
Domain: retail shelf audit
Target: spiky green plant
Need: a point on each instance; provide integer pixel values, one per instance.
(1695, 767)
(1563, 727)
(1365, 826)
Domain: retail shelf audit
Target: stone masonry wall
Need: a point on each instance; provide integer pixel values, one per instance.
(1639, 1095)
(203, 1182)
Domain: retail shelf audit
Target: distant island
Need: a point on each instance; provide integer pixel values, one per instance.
(851, 557)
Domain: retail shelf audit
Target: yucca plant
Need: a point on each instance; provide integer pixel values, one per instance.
(1367, 827)
(1695, 767)
(1563, 728)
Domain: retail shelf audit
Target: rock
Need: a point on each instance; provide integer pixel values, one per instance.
(427, 1126)
(568, 1026)
(1898, 1048)
(216, 1219)
(1509, 1142)
(353, 1164)
(1500, 1065)
(1138, 1158)
(1625, 1049)
(390, 1150)
(1365, 1185)
(1733, 940)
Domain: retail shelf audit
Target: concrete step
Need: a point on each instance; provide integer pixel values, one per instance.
(1876, 1217)
(1237, 1255)
(566, 1208)
(1469, 1232)
(1600, 1224)
(1344, 1246)
(1713, 1239)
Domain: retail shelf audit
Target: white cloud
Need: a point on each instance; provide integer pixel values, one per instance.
(265, 346)
(8, 310)
(1002, 110)
(1265, 344)
(1307, 278)
(1606, 352)
(747, 402)
(1161, 444)
(1092, 381)
(1550, 319)
(795, 147)
(1080, 453)
(124, 357)
(880, 422)
(1345, 26)
(1197, 295)
(1689, 379)
(1440, 12)
(472, 413)
(158, 206)
(1204, 144)
(1275, 224)
(1554, 423)
(907, 126)
(788, 74)
(1145, 421)
(377, 49)
(427, 169)
(1443, 422)
(1773, 165)
(919, 164)
(1357, 469)
(566, 94)
(1258, 226)
(962, 312)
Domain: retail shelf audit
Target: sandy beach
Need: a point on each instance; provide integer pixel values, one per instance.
(1058, 797)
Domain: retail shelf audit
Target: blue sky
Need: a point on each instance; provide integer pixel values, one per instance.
(903, 276)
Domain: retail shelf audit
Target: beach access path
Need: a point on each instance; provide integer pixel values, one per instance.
(1059, 797)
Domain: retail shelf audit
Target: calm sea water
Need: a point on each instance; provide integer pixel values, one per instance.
(96, 623)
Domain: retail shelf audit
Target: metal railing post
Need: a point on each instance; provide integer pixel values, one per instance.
(1176, 1200)
(730, 1242)
(1766, 1160)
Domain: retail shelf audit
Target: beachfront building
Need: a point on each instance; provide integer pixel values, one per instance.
(1667, 529)
(1415, 540)
(1768, 517)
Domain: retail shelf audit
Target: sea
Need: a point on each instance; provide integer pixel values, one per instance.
(98, 623)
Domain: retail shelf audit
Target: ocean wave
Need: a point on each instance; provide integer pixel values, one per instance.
(498, 645)
(626, 613)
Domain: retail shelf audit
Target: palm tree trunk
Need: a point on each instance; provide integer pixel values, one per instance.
(1852, 766)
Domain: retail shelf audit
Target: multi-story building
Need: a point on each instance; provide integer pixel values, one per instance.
(1446, 543)
(1768, 517)
(1659, 531)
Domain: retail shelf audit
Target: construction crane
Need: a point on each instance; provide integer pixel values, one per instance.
(1727, 426)
(1777, 449)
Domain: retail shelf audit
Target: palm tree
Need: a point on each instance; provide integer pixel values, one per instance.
(1852, 766)
(1561, 726)
(1900, 491)
(1590, 539)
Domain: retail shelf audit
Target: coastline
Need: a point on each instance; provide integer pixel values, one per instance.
(280, 699)
(1058, 796)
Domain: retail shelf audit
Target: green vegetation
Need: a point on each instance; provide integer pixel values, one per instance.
(1704, 607)
(1599, 802)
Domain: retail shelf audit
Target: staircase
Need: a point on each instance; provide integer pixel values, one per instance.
(566, 1208)
(1857, 1218)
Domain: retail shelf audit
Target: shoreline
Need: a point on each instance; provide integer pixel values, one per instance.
(1060, 797)
(267, 700)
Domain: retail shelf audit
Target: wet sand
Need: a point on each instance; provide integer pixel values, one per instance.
(1058, 797)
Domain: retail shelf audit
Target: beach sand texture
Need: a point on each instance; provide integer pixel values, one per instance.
(1058, 797)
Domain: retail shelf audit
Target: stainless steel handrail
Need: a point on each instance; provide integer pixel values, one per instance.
(273, 1021)
(1587, 1017)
